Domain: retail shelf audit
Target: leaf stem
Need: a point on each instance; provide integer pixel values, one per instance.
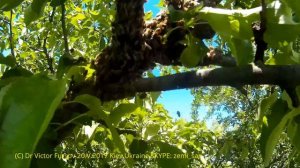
(70, 121)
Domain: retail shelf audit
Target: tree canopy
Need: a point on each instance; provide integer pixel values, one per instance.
(77, 85)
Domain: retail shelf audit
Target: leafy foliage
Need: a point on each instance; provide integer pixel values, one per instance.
(27, 106)
(46, 77)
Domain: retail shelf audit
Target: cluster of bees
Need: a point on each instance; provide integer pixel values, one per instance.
(137, 45)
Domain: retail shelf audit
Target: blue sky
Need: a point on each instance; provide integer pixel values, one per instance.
(151, 5)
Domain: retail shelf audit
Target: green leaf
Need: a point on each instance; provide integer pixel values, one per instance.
(154, 96)
(7, 5)
(16, 72)
(76, 73)
(138, 146)
(277, 35)
(175, 15)
(55, 3)
(190, 17)
(242, 50)
(169, 153)
(286, 97)
(44, 147)
(94, 104)
(294, 5)
(102, 43)
(281, 58)
(161, 4)
(26, 109)
(265, 105)
(34, 11)
(8, 60)
(91, 102)
(65, 63)
(235, 23)
(292, 129)
(151, 130)
(293, 133)
(272, 129)
(285, 55)
(234, 26)
(245, 152)
(118, 142)
(120, 111)
(226, 148)
(194, 53)
(148, 15)
(280, 28)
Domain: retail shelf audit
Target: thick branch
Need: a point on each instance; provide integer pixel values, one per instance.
(228, 76)
(249, 75)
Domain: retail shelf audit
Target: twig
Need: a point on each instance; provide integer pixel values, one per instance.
(70, 121)
(45, 50)
(52, 15)
(11, 34)
(49, 59)
(127, 131)
(63, 24)
(119, 130)
(35, 49)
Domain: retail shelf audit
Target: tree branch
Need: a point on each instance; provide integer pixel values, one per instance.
(63, 25)
(52, 15)
(259, 29)
(48, 57)
(227, 76)
(11, 35)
